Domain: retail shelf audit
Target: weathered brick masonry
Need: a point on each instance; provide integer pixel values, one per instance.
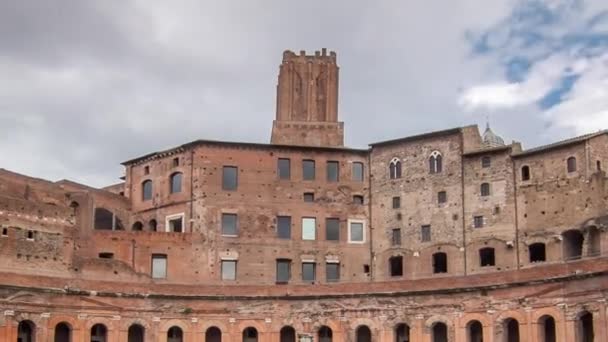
(445, 236)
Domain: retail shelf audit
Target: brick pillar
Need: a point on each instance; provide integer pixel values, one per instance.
(599, 324)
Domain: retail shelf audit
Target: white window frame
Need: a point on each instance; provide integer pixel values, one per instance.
(315, 226)
(160, 257)
(351, 221)
(169, 218)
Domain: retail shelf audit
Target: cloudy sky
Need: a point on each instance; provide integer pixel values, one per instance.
(85, 85)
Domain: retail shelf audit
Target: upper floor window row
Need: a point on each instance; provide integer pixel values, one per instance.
(435, 165)
(570, 167)
(175, 186)
(309, 170)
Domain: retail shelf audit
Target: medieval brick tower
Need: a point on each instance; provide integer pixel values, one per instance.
(307, 101)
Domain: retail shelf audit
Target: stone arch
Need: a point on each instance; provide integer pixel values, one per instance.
(74, 323)
(363, 333)
(125, 323)
(287, 334)
(214, 323)
(295, 323)
(585, 326)
(334, 326)
(543, 313)
(259, 326)
(483, 319)
(402, 332)
(163, 328)
(26, 331)
(136, 332)
(213, 334)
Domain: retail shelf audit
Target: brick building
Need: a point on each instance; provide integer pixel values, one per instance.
(446, 236)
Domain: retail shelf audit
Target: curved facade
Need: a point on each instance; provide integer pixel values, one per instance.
(431, 238)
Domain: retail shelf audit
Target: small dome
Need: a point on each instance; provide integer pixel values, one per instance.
(490, 139)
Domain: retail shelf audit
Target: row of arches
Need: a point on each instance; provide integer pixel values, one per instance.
(175, 186)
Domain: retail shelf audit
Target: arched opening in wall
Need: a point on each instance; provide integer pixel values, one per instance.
(525, 173)
(439, 332)
(571, 164)
(511, 330)
(395, 169)
(146, 190)
(136, 333)
(213, 334)
(99, 333)
(536, 252)
(26, 331)
(176, 183)
(584, 329)
(152, 225)
(250, 334)
(325, 334)
(440, 262)
(474, 331)
(175, 334)
(395, 266)
(137, 226)
(572, 241)
(288, 334)
(435, 162)
(363, 334)
(546, 329)
(593, 241)
(402, 333)
(63, 332)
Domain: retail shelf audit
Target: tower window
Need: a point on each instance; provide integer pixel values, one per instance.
(146, 190)
(284, 168)
(525, 173)
(308, 271)
(395, 169)
(284, 227)
(485, 189)
(435, 162)
(283, 271)
(229, 225)
(309, 228)
(332, 229)
(308, 169)
(229, 178)
(309, 197)
(175, 162)
(486, 257)
(571, 163)
(333, 171)
(176, 182)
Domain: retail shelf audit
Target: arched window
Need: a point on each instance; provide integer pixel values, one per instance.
(104, 219)
(439, 332)
(213, 334)
(395, 168)
(288, 334)
(363, 334)
(136, 333)
(250, 335)
(536, 252)
(99, 333)
(152, 225)
(572, 244)
(440, 262)
(175, 334)
(396, 266)
(486, 257)
(325, 334)
(474, 331)
(176, 182)
(63, 332)
(137, 226)
(584, 328)
(146, 190)
(26, 331)
(546, 329)
(402, 333)
(435, 162)
(525, 173)
(485, 189)
(571, 164)
(511, 330)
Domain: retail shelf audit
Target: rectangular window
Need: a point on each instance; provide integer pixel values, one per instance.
(358, 200)
(309, 228)
(333, 171)
(442, 197)
(356, 232)
(486, 161)
(284, 227)
(283, 271)
(308, 169)
(228, 269)
(358, 172)
(175, 223)
(284, 168)
(229, 225)
(106, 255)
(396, 237)
(332, 272)
(175, 162)
(230, 178)
(478, 221)
(309, 197)
(332, 229)
(159, 266)
(308, 271)
(425, 233)
(396, 202)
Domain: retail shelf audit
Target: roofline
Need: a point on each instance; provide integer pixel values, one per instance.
(487, 150)
(199, 142)
(559, 144)
(418, 136)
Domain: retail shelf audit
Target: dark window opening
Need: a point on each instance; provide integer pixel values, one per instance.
(396, 202)
(357, 175)
(230, 178)
(366, 268)
(486, 161)
(585, 328)
(175, 334)
(396, 266)
(537, 252)
(440, 262)
(308, 271)
(396, 237)
(175, 162)
(287, 334)
(26, 331)
(309, 197)
(332, 229)
(571, 164)
(325, 334)
(402, 333)
(98, 333)
(146, 170)
(440, 332)
(106, 255)
(152, 225)
(176, 182)
(4, 231)
(308, 169)
(435, 163)
(333, 171)
(478, 221)
(363, 334)
(425, 233)
(284, 168)
(593, 242)
(176, 225)
(395, 169)
(284, 227)
(511, 329)
(136, 333)
(213, 334)
(30, 235)
(283, 271)
(229, 225)
(146, 190)
(358, 199)
(485, 189)
(442, 197)
(475, 331)
(106, 220)
(598, 165)
(547, 329)
(332, 272)
(250, 335)
(572, 244)
(486, 257)
(137, 226)
(525, 173)
(63, 332)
